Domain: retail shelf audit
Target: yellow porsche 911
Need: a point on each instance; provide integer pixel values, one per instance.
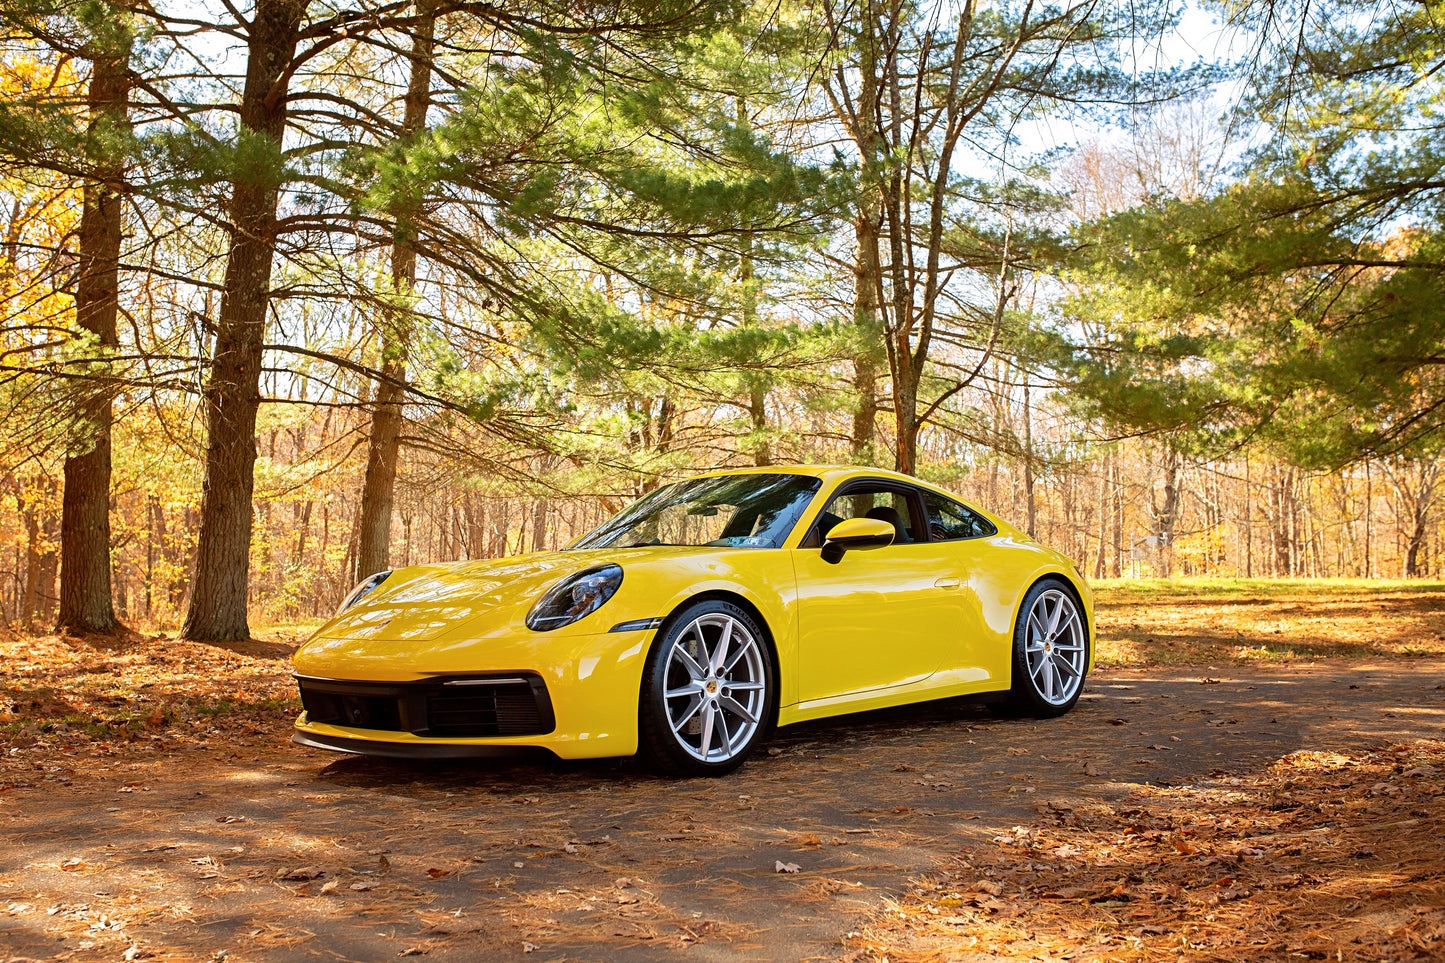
(704, 614)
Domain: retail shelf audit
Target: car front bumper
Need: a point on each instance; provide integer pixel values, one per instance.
(584, 706)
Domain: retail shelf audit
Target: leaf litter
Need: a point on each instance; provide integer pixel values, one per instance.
(1323, 856)
(1064, 883)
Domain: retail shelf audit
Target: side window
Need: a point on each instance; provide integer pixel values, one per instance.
(891, 506)
(949, 521)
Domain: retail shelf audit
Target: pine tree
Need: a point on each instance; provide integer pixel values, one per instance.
(384, 438)
(85, 589)
(43, 128)
(1298, 305)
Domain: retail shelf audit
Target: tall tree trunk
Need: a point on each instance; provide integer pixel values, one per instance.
(866, 284)
(1418, 496)
(180, 553)
(49, 558)
(912, 325)
(865, 419)
(757, 389)
(867, 266)
(476, 532)
(1116, 523)
(1369, 507)
(1030, 506)
(373, 552)
(1166, 516)
(1105, 477)
(30, 597)
(327, 580)
(755, 380)
(1248, 521)
(304, 526)
(539, 525)
(153, 508)
(85, 590)
(758, 419)
(232, 395)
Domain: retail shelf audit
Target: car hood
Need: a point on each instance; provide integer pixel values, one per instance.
(484, 597)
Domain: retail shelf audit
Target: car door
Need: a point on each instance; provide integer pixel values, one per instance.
(879, 618)
(964, 539)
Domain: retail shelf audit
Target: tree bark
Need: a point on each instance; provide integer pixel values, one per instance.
(50, 558)
(232, 395)
(756, 381)
(865, 419)
(1116, 512)
(373, 552)
(1248, 521)
(859, 114)
(85, 589)
(1415, 487)
(1369, 507)
(867, 268)
(757, 389)
(1166, 516)
(30, 596)
(1030, 505)
(539, 525)
(153, 508)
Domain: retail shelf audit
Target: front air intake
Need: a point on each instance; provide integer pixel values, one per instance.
(455, 706)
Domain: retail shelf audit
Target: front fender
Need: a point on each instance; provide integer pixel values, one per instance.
(764, 579)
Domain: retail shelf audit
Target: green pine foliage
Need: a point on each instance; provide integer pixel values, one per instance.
(1299, 305)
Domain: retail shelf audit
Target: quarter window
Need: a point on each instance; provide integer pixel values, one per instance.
(949, 521)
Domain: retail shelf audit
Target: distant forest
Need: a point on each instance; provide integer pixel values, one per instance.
(298, 291)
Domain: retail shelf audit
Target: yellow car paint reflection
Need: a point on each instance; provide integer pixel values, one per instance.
(440, 660)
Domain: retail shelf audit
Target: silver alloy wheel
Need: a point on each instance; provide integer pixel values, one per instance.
(715, 687)
(1056, 649)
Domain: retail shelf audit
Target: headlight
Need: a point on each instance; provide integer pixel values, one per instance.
(574, 597)
(363, 590)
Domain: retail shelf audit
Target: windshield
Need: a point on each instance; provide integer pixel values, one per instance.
(728, 511)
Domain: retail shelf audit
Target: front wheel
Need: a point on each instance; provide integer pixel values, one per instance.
(707, 692)
(1051, 652)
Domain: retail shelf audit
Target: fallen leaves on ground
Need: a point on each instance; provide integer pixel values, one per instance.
(104, 718)
(1321, 856)
(59, 690)
(1151, 621)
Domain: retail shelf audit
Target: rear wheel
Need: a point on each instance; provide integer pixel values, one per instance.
(707, 693)
(1051, 651)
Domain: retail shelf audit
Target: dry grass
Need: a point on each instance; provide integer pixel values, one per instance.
(1152, 621)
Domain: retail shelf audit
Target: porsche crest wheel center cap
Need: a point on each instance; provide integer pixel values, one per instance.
(712, 687)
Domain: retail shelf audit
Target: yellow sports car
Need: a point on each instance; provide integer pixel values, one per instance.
(704, 614)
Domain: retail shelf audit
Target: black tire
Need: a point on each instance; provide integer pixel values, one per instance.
(701, 713)
(1050, 652)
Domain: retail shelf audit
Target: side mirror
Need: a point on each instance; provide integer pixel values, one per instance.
(856, 534)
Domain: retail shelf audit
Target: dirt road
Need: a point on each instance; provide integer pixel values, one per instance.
(165, 849)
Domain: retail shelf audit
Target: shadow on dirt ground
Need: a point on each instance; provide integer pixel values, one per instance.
(260, 850)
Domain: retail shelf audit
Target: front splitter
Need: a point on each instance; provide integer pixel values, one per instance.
(414, 750)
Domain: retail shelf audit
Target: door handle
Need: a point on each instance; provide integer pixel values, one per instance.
(946, 583)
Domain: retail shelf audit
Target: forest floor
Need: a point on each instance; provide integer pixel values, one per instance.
(1255, 772)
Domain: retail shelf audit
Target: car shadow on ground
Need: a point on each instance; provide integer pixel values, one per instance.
(938, 719)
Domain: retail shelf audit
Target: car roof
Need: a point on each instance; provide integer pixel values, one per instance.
(828, 473)
(816, 471)
(836, 474)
